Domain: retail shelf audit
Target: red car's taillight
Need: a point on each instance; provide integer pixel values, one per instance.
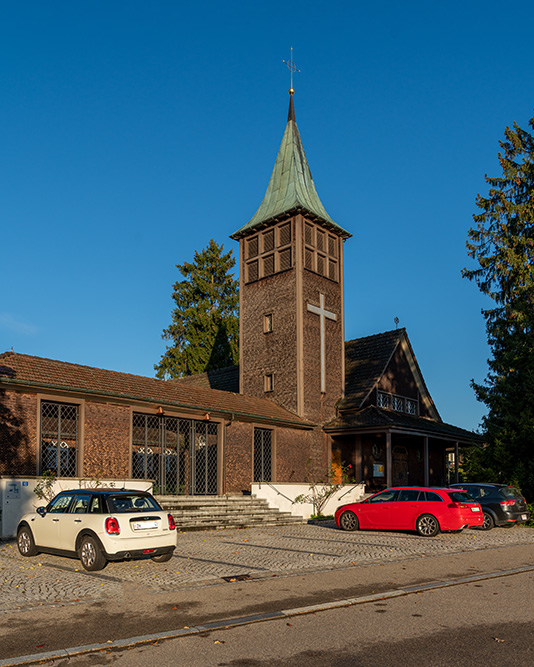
(112, 526)
(507, 502)
(172, 524)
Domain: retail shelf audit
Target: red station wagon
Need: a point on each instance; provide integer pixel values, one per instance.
(426, 510)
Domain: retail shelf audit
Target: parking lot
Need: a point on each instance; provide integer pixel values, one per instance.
(205, 558)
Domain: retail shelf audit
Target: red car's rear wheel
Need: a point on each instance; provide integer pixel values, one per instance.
(427, 525)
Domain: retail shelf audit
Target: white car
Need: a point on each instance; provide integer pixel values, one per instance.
(99, 525)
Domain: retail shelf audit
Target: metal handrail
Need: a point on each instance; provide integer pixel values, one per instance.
(278, 492)
(344, 494)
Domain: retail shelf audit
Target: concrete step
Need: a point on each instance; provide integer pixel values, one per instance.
(218, 512)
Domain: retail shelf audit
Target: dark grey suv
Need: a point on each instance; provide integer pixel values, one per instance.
(502, 505)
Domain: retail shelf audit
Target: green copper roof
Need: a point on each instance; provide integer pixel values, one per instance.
(291, 187)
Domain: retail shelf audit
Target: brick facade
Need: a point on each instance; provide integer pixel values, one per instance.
(18, 433)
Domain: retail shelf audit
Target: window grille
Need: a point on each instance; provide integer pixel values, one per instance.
(308, 259)
(263, 454)
(383, 400)
(59, 439)
(398, 404)
(180, 455)
(320, 241)
(320, 264)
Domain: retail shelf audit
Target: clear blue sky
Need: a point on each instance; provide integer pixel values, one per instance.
(133, 132)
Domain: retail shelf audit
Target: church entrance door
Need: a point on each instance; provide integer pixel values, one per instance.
(400, 466)
(180, 455)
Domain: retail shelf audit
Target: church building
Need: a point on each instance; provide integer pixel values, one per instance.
(302, 399)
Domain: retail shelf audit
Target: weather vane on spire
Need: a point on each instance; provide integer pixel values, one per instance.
(292, 68)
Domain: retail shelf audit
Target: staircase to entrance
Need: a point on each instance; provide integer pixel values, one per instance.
(219, 512)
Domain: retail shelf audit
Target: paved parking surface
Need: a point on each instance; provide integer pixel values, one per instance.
(204, 558)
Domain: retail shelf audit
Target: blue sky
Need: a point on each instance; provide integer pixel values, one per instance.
(133, 132)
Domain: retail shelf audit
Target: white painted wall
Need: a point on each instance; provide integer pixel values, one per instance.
(282, 496)
(17, 496)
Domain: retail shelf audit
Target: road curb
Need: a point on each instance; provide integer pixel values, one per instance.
(256, 618)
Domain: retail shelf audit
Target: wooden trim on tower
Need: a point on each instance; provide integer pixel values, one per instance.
(299, 268)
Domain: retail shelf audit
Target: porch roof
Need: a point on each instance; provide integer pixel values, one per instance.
(379, 420)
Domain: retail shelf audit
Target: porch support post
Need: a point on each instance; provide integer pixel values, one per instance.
(358, 472)
(425, 459)
(389, 460)
(456, 463)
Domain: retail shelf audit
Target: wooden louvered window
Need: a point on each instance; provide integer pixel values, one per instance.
(268, 240)
(284, 257)
(269, 254)
(268, 265)
(284, 234)
(252, 271)
(321, 252)
(252, 247)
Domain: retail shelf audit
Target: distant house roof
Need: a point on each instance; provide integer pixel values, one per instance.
(366, 361)
(39, 373)
(291, 188)
(373, 419)
(225, 379)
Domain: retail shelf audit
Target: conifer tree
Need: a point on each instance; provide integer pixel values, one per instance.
(502, 243)
(205, 325)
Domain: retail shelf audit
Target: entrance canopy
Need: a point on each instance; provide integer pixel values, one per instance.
(388, 448)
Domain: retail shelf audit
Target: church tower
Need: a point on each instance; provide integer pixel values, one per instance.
(291, 291)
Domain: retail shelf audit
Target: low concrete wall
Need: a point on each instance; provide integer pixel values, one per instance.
(17, 496)
(282, 495)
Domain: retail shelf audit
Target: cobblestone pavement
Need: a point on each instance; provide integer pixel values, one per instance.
(204, 558)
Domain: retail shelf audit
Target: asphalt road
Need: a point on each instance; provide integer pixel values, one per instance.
(49, 603)
(486, 623)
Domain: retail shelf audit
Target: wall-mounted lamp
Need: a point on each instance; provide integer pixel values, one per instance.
(207, 417)
(160, 410)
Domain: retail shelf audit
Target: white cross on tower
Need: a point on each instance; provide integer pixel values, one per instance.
(323, 315)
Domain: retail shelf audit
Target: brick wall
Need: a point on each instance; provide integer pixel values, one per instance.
(18, 433)
(273, 352)
(238, 457)
(106, 442)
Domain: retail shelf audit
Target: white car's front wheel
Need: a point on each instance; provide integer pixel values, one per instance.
(90, 554)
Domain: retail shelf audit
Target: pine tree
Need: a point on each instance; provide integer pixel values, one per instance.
(205, 325)
(502, 242)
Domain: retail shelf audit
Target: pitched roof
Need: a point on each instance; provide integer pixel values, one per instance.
(36, 372)
(367, 359)
(291, 188)
(372, 418)
(225, 379)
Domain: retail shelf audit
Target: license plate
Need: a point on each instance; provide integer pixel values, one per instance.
(523, 517)
(475, 509)
(144, 525)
